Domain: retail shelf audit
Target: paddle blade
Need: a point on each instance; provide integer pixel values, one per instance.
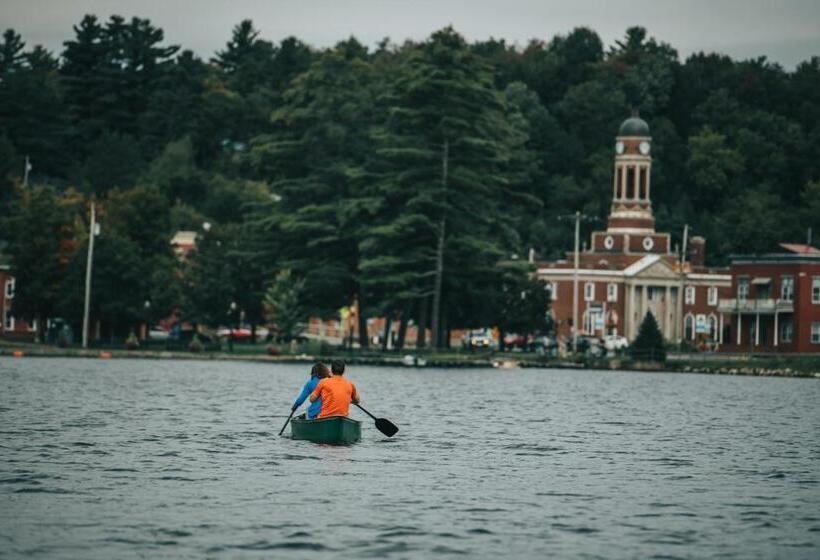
(386, 427)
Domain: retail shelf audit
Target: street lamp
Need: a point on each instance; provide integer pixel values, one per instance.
(147, 307)
(231, 311)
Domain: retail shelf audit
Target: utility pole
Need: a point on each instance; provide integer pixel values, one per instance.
(682, 289)
(575, 284)
(92, 232)
(26, 169)
(577, 217)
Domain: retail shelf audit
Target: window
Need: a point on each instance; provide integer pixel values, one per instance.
(33, 326)
(10, 284)
(712, 295)
(589, 291)
(786, 330)
(815, 289)
(713, 328)
(742, 288)
(815, 333)
(612, 292)
(787, 288)
(689, 295)
(8, 320)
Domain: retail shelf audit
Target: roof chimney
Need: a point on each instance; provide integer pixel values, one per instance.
(697, 251)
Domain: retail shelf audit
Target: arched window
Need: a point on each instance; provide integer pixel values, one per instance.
(689, 327)
(713, 328)
(630, 181)
(644, 194)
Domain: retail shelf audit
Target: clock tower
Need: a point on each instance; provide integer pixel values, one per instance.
(631, 225)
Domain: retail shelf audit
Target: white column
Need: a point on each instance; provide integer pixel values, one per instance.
(720, 329)
(775, 327)
(630, 313)
(739, 328)
(757, 329)
(667, 311)
(644, 291)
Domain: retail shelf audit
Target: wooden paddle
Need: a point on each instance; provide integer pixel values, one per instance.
(286, 421)
(384, 425)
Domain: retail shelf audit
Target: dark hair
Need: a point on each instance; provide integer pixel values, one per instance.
(319, 370)
(338, 367)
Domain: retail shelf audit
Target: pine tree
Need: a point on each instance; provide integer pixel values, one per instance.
(443, 177)
(313, 160)
(649, 343)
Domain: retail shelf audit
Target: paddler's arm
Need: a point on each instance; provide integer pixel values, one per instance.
(316, 392)
(355, 396)
(302, 396)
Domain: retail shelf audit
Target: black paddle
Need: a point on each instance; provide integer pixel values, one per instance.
(286, 421)
(384, 425)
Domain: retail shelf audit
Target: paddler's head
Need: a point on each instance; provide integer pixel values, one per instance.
(319, 370)
(337, 367)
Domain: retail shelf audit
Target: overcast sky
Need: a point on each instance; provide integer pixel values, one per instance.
(787, 31)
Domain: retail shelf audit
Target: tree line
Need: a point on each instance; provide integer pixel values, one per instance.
(413, 179)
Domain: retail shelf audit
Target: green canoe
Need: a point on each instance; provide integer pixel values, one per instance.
(338, 430)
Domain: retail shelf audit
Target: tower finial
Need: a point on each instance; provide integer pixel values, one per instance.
(635, 111)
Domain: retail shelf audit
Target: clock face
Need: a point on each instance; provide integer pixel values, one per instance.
(644, 147)
(619, 147)
(648, 243)
(609, 242)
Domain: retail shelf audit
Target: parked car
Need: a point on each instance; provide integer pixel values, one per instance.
(513, 340)
(615, 342)
(158, 333)
(480, 338)
(589, 345)
(546, 345)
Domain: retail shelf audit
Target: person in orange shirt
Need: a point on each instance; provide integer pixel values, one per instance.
(336, 392)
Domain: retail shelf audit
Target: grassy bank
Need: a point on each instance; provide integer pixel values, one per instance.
(725, 364)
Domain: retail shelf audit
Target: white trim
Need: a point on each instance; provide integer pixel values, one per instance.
(587, 295)
(702, 276)
(8, 320)
(712, 296)
(713, 336)
(814, 335)
(689, 295)
(581, 271)
(10, 283)
(691, 317)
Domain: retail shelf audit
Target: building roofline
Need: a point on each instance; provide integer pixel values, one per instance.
(775, 258)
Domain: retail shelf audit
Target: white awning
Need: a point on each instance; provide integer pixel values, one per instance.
(761, 281)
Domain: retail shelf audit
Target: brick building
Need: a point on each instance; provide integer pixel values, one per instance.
(10, 326)
(630, 269)
(774, 305)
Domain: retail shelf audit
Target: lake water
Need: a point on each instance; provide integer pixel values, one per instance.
(181, 459)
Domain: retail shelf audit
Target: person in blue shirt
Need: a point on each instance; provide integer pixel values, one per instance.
(317, 373)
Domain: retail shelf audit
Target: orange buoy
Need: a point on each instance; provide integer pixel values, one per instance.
(105, 355)
(18, 354)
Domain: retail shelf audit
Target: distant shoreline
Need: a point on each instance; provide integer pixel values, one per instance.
(784, 366)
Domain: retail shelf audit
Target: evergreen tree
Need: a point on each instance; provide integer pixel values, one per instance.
(649, 344)
(313, 160)
(445, 156)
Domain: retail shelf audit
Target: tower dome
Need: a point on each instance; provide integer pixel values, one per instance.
(634, 126)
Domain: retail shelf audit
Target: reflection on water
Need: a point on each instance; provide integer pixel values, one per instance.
(112, 459)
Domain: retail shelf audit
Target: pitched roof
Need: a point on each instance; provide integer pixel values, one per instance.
(800, 248)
